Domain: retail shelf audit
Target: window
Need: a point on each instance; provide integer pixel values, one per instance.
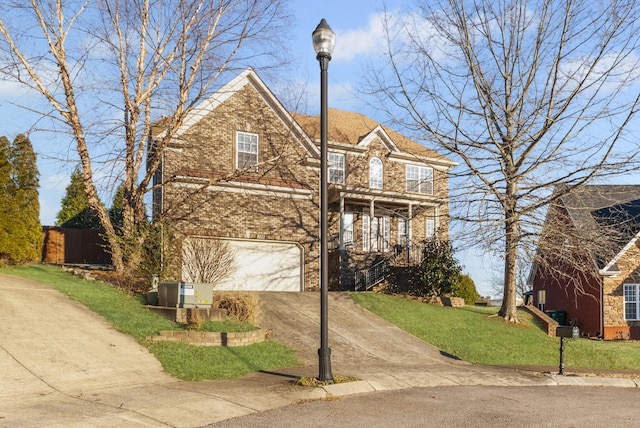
(336, 167)
(402, 231)
(375, 173)
(246, 149)
(347, 237)
(631, 301)
(365, 233)
(420, 179)
(378, 239)
(430, 228)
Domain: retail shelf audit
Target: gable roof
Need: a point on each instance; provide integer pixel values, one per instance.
(357, 130)
(613, 212)
(247, 78)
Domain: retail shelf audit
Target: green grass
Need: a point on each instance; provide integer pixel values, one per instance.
(193, 363)
(127, 315)
(472, 334)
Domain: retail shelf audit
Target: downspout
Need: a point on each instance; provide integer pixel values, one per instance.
(601, 307)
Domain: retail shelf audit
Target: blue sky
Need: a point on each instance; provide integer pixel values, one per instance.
(358, 40)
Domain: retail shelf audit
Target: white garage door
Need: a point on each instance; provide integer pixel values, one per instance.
(265, 266)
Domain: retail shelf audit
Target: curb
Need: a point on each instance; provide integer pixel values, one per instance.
(592, 381)
(348, 388)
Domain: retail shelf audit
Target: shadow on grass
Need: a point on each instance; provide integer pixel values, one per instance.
(448, 355)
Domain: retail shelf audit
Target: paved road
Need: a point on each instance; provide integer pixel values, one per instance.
(461, 406)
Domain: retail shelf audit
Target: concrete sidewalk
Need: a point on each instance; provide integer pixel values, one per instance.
(62, 365)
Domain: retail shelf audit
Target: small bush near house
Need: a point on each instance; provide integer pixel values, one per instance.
(465, 288)
(241, 306)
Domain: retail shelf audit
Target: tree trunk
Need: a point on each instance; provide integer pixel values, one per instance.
(509, 310)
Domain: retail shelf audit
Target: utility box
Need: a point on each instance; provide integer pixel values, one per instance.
(174, 294)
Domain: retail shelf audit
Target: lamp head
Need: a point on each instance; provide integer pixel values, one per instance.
(324, 40)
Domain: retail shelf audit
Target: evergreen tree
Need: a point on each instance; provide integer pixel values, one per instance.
(7, 193)
(75, 211)
(26, 234)
(437, 274)
(465, 288)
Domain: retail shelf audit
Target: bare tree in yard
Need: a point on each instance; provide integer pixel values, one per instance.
(527, 95)
(109, 69)
(207, 260)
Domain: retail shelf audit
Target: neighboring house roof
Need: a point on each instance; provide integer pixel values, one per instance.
(607, 212)
(356, 129)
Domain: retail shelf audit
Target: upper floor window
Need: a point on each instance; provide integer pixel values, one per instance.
(246, 149)
(420, 179)
(336, 167)
(631, 301)
(375, 173)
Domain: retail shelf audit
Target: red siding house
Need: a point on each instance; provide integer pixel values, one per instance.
(245, 171)
(588, 261)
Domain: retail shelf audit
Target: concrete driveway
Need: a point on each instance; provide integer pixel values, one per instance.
(61, 365)
(368, 347)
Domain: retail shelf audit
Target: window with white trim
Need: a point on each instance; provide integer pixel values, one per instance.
(631, 301)
(378, 239)
(347, 230)
(365, 232)
(430, 228)
(336, 167)
(402, 231)
(420, 179)
(375, 173)
(246, 149)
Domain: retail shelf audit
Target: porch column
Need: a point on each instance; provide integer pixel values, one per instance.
(372, 212)
(341, 222)
(409, 223)
(409, 232)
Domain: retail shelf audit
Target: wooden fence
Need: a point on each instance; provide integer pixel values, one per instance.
(74, 246)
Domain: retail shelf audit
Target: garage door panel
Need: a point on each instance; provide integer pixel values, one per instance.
(265, 266)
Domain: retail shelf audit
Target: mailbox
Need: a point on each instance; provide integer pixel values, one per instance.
(572, 332)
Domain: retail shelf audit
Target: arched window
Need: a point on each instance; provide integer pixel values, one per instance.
(375, 173)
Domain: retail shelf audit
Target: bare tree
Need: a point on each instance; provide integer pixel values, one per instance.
(109, 69)
(207, 260)
(527, 95)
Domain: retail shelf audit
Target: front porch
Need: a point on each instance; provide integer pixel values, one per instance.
(371, 233)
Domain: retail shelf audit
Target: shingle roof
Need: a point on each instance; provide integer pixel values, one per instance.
(351, 128)
(610, 211)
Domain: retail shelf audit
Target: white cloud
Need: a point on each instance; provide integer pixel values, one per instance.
(368, 41)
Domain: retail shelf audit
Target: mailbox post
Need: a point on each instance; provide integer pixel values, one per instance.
(569, 331)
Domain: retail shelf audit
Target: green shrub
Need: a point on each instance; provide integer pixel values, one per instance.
(466, 289)
(437, 274)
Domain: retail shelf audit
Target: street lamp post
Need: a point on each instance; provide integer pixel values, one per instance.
(323, 42)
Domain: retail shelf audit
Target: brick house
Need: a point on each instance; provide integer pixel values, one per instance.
(245, 171)
(588, 261)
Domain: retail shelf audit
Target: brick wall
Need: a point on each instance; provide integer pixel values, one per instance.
(616, 327)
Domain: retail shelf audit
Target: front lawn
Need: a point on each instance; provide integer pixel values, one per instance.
(127, 315)
(472, 334)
